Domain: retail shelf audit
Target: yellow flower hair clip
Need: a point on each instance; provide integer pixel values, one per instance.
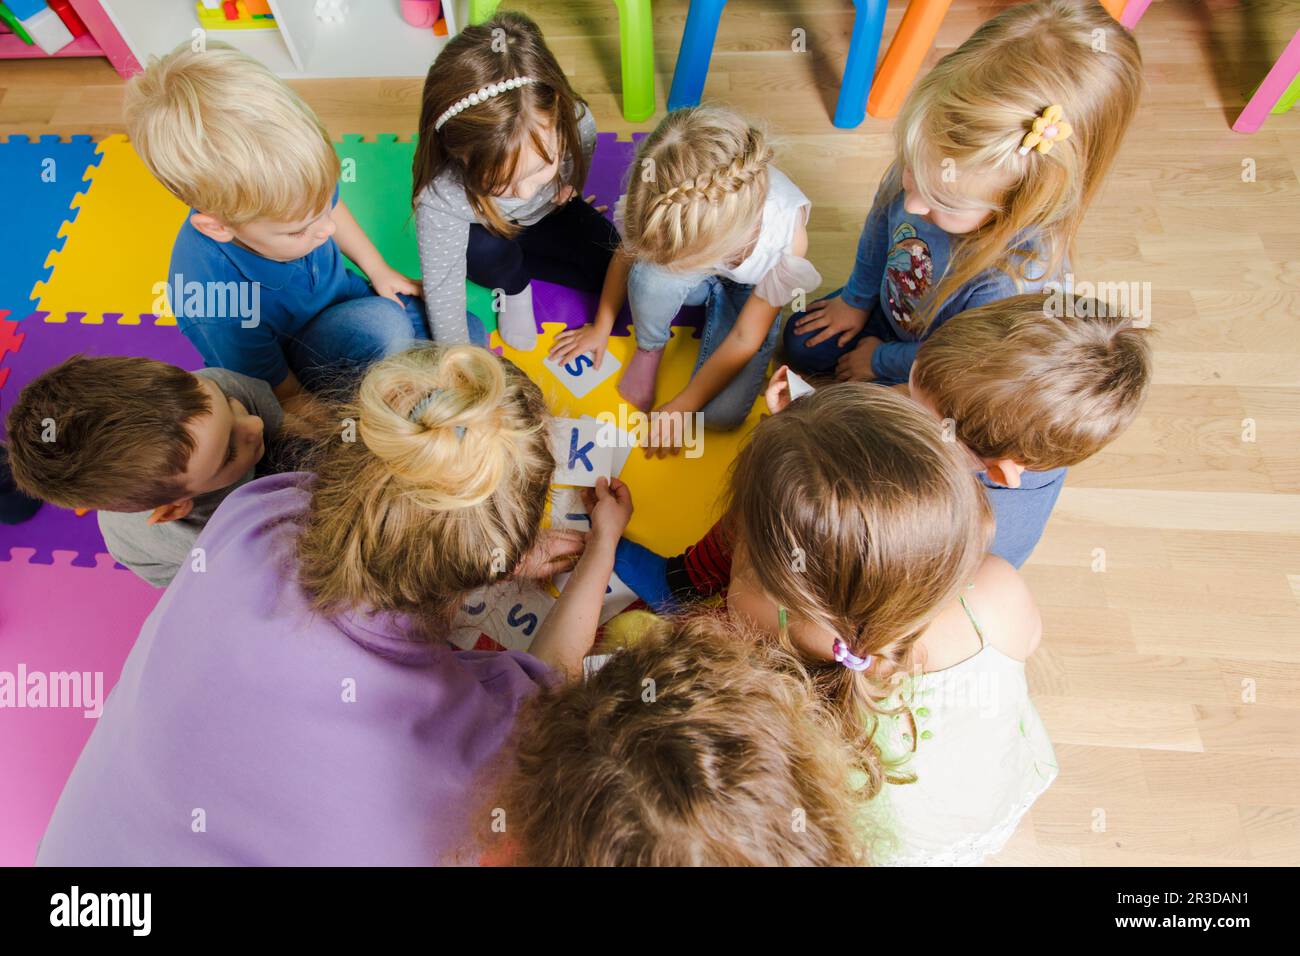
(1048, 130)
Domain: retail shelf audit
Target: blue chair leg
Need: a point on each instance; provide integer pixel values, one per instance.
(696, 50)
(868, 25)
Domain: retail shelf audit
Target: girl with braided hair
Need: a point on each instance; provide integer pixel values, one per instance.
(706, 220)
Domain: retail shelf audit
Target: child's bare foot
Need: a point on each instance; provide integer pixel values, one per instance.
(638, 382)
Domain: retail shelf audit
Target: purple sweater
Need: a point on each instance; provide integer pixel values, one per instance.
(246, 729)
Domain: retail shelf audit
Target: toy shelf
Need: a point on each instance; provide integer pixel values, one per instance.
(12, 48)
(372, 40)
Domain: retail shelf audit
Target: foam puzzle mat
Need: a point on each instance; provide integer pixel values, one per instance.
(82, 256)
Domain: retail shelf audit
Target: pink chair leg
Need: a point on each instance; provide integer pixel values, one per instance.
(1133, 11)
(110, 41)
(1271, 90)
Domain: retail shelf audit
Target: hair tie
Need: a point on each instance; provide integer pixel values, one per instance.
(850, 660)
(422, 406)
(1048, 130)
(478, 96)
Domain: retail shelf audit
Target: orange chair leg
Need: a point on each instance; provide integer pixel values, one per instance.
(1114, 7)
(906, 51)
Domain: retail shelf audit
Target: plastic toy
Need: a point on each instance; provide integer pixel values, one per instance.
(422, 13)
(14, 24)
(41, 23)
(69, 17)
(233, 15)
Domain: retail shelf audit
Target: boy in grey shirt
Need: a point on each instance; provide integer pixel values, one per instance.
(153, 447)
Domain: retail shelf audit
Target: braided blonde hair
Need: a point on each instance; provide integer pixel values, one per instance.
(696, 193)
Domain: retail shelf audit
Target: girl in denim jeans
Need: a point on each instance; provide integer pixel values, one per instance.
(707, 220)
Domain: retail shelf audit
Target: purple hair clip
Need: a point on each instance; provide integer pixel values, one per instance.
(850, 660)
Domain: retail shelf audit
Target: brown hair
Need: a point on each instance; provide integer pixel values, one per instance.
(481, 145)
(695, 194)
(443, 493)
(1045, 391)
(974, 108)
(697, 746)
(856, 516)
(105, 432)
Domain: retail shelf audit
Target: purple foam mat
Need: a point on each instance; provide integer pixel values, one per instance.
(47, 344)
(606, 181)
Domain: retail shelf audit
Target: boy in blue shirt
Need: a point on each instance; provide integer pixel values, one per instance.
(257, 279)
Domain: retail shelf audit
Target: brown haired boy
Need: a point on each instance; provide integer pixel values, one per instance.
(1029, 394)
(153, 447)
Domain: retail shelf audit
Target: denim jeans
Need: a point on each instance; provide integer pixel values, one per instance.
(656, 295)
(347, 337)
(822, 358)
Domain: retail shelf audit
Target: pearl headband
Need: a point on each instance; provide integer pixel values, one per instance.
(477, 97)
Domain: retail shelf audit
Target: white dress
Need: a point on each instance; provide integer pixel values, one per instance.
(982, 758)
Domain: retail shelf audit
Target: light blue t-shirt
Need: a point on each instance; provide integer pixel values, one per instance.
(215, 315)
(901, 259)
(1021, 513)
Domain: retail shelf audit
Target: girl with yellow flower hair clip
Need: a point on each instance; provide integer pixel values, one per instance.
(999, 151)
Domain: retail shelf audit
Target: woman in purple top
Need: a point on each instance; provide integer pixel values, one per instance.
(291, 701)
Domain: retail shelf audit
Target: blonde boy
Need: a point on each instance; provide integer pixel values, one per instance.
(257, 280)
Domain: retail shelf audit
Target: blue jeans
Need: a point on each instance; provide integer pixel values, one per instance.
(656, 295)
(346, 338)
(822, 358)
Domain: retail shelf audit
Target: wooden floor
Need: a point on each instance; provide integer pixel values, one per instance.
(1170, 681)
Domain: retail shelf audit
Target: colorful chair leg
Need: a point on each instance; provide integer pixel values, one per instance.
(636, 43)
(903, 59)
(1133, 11)
(1272, 89)
(1289, 98)
(868, 25)
(480, 10)
(696, 50)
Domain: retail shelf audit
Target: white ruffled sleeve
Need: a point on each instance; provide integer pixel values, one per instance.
(789, 276)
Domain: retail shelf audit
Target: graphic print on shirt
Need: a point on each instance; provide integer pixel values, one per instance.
(908, 272)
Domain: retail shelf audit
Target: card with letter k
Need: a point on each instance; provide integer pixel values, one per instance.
(580, 457)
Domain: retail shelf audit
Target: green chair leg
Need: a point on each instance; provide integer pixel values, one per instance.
(636, 43)
(1289, 97)
(480, 10)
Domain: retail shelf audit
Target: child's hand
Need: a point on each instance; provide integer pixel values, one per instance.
(856, 365)
(555, 551)
(610, 507)
(777, 394)
(833, 317)
(388, 282)
(664, 436)
(571, 343)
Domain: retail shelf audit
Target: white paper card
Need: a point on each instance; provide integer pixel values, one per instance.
(798, 387)
(580, 375)
(580, 455)
(618, 441)
(568, 511)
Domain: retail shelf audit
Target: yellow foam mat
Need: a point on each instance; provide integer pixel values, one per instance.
(119, 245)
(675, 498)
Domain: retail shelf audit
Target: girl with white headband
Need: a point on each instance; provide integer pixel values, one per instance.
(503, 152)
(857, 536)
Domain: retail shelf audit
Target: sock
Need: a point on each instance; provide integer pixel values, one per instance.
(646, 573)
(516, 324)
(638, 382)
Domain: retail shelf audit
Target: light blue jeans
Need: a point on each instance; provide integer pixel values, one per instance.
(656, 295)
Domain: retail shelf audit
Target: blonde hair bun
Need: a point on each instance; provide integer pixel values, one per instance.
(439, 420)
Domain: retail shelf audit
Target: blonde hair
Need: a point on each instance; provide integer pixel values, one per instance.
(443, 493)
(888, 517)
(974, 108)
(1043, 390)
(230, 139)
(709, 771)
(696, 193)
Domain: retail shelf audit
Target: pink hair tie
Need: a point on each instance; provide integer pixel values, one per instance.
(850, 660)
